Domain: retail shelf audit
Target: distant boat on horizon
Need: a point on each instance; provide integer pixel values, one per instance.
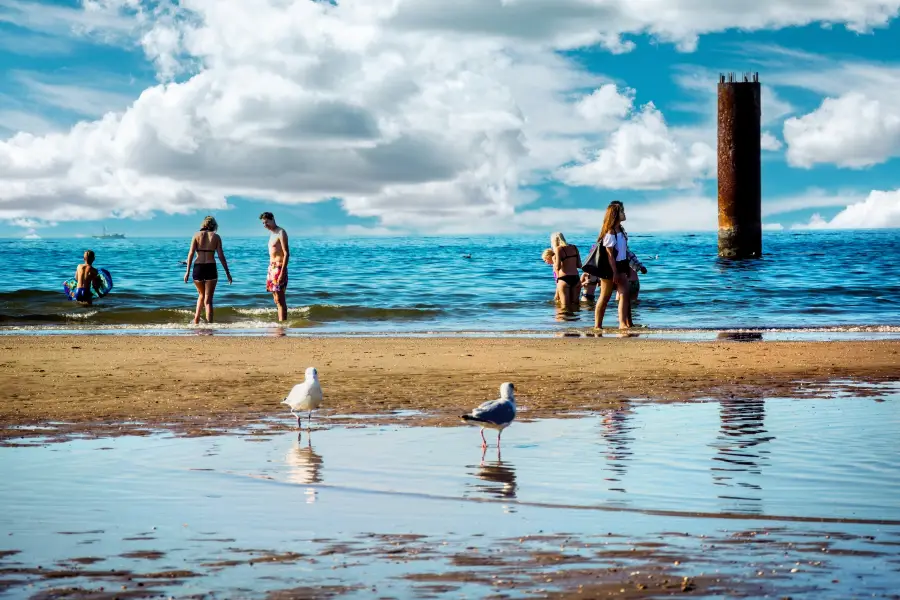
(109, 236)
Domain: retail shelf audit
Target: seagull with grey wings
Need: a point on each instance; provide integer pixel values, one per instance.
(494, 414)
(306, 396)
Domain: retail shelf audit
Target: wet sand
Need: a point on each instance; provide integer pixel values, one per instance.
(105, 385)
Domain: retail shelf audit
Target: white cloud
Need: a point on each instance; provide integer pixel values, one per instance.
(418, 116)
(31, 234)
(772, 227)
(881, 209)
(680, 213)
(770, 142)
(643, 154)
(850, 131)
(19, 120)
(857, 123)
(86, 101)
(810, 199)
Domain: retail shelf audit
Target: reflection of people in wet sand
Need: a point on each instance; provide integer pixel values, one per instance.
(615, 431)
(279, 254)
(305, 464)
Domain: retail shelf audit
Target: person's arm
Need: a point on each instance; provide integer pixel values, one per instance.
(222, 260)
(611, 253)
(190, 259)
(282, 235)
(635, 262)
(95, 281)
(557, 263)
(577, 259)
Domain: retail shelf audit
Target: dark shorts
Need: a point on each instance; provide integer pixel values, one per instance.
(635, 286)
(206, 272)
(570, 279)
(622, 266)
(82, 295)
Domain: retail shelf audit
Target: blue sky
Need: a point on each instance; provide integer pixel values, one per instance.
(120, 113)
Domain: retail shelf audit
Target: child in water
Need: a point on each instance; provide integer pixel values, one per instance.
(86, 277)
(548, 255)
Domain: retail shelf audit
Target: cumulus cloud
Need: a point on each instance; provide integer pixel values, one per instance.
(677, 213)
(406, 111)
(770, 142)
(850, 131)
(643, 154)
(881, 209)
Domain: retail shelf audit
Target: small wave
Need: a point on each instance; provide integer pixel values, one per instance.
(81, 315)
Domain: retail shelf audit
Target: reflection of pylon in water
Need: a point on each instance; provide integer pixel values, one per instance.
(740, 452)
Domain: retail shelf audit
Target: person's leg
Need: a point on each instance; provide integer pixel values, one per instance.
(624, 293)
(562, 293)
(210, 291)
(201, 300)
(606, 290)
(282, 306)
(575, 295)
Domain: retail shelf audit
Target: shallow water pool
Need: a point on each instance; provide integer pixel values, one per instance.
(791, 497)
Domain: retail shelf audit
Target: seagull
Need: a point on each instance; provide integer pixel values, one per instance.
(305, 396)
(494, 414)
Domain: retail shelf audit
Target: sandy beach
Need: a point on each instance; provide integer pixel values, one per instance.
(111, 384)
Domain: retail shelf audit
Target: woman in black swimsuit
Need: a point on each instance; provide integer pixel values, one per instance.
(566, 263)
(206, 243)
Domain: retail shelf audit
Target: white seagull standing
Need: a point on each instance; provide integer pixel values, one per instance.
(305, 396)
(494, 414)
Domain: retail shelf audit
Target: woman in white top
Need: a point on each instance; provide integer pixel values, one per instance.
(615, 240)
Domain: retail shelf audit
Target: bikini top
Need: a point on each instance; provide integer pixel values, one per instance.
(567, 256)
(198, 249)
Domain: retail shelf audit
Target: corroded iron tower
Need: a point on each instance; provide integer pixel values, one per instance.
(740, 173)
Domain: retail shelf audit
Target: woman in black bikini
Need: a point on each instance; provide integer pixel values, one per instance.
(566, 263)
(206, 243)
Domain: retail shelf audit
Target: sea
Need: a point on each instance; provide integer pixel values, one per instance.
(806, 283)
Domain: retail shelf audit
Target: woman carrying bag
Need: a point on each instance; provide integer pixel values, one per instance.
(609, 261)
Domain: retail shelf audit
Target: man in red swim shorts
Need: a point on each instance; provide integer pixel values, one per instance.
(279, 253)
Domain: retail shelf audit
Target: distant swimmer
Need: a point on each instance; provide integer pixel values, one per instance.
(467, 256)
(279, 254)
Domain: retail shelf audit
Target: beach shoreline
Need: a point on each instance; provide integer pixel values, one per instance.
(109, 385)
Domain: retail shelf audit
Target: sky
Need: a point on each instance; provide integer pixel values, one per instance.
(428, 117)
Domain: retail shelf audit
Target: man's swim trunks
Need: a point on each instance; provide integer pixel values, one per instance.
(82, 295)
(272, 278)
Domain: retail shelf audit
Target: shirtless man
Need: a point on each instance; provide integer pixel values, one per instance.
(279, 253)
(86, 277)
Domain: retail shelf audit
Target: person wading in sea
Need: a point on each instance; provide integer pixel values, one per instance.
(279, 254)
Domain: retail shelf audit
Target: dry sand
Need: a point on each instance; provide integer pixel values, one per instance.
(197, 383)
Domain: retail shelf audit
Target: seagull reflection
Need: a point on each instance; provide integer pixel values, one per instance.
(740, 452)
(616, 431)
(304, 464)
(499, 478)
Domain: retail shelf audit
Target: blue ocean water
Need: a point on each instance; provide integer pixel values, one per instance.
(805, 280)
